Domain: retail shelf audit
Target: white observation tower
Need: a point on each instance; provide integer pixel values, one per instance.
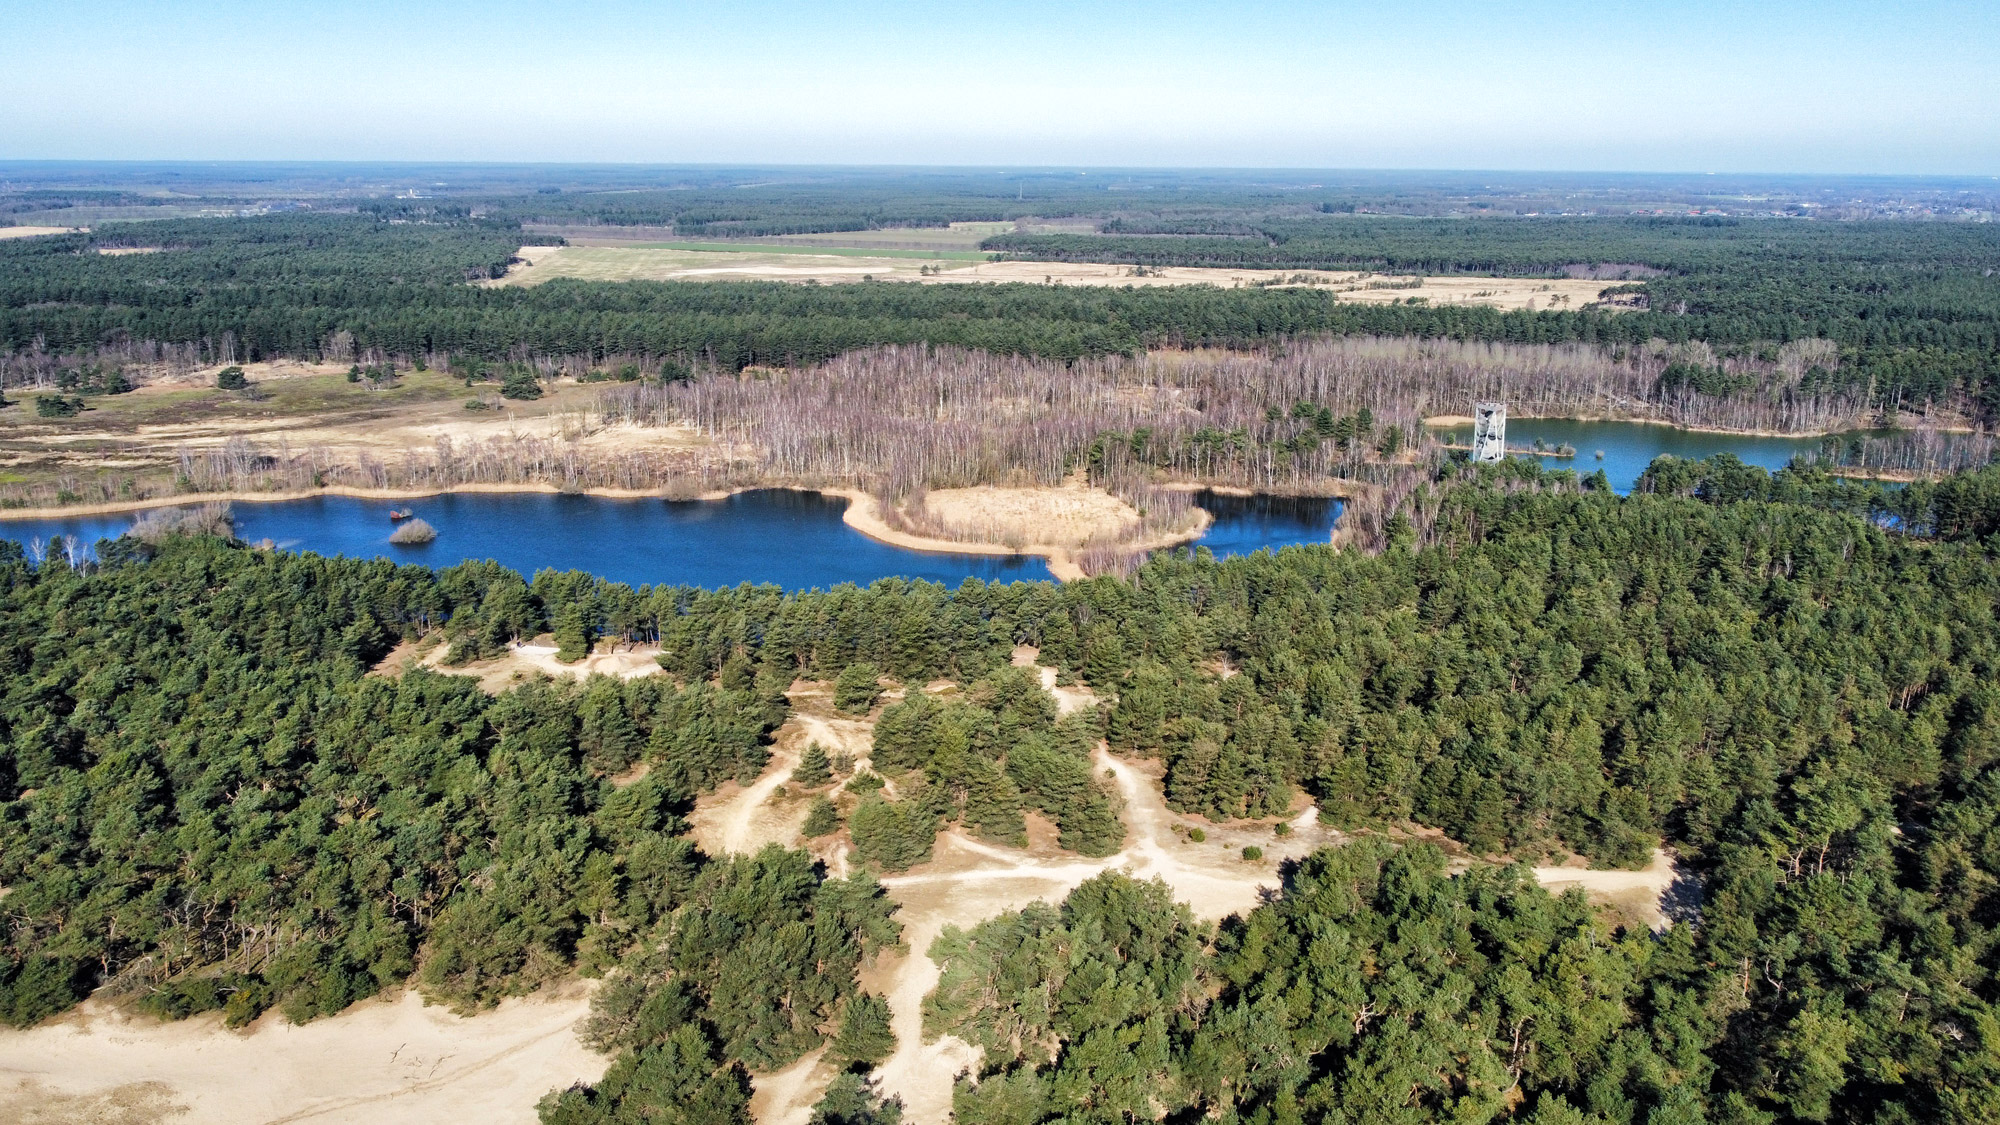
(1489, 431)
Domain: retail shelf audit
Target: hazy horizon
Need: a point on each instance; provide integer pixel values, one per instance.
(1847, 89)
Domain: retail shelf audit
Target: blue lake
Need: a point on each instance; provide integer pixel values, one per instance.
(793, 539)
(1628, 447)
(797, 540)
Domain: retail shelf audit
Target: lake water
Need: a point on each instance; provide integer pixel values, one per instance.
(793, 539)
(797, 540)
(1628, 447)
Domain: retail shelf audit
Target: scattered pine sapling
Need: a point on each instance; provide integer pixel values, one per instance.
(813, 770)
(822, 820)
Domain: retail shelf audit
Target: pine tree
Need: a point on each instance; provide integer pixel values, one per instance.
(865, 1036)
(813, 769)
(822, 820)
(855, 690)
(992, 803)
(853, 1100)
(574, 636)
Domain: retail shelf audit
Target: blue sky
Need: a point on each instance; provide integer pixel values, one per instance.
(1609, 85)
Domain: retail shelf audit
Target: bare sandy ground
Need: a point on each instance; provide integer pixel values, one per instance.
(631, 263)
(522, 662)
(383, 1062)
(1639, 894)
(36, 232)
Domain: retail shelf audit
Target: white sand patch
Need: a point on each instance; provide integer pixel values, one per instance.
(1642, 891)
(380, 1063)
(525, 661)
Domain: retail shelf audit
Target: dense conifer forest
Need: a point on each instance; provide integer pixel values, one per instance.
(1915, 307)
(207, 803)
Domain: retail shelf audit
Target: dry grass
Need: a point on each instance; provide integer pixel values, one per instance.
(297, 408)
(1070, 516)
(631, 263)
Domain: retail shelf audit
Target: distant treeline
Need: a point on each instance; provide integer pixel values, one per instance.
(1909, 303)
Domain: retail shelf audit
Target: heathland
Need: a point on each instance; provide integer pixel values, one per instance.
(1526, 801)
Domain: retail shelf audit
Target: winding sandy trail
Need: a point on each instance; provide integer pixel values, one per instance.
(742, 820)
(968, 882)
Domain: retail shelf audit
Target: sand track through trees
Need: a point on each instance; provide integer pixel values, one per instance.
(396, 1061)
(968, 881)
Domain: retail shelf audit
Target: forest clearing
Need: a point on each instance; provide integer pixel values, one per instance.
(392, 1060)
(602, 261)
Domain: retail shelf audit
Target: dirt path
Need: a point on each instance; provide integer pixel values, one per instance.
(739, 820)
(968, 882)
(379, 1063)
(1641, 894)
(786, 1097)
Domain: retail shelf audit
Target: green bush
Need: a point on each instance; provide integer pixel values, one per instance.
(1282, 829)
(1253, 853)
(822, 820)
(1197, 835)
(58, 406)
(231, 378)
(521, 384)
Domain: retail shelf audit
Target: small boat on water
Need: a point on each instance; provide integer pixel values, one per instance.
(399, 513)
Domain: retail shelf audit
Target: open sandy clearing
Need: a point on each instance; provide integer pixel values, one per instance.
(523, 661)
(37, 232)
(380, 1063)
(635, 263)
